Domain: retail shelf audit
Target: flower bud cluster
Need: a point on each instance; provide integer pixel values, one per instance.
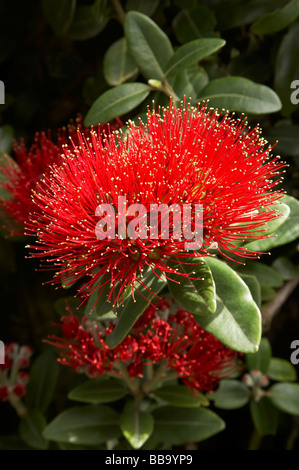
(13, 377)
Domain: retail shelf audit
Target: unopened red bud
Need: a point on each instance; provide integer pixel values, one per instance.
(4, 392)
(23, 377)
(247, 379)
(19, 390)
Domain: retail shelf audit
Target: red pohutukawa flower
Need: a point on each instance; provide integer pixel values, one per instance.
(177, 341)
(20, 175)
(183, 156)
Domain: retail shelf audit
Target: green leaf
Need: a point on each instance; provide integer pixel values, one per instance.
(192, 52)
(179, 395)
(195, 295)
(179, 426)
(98, 391)
(287, 138)
(147, 7)
(59, 14)
(115, 102)
(254, 287)
(287, 69)
(261, 359)
(264, 416)
(276, 20)
(6, 138)
(250, 65)
(237, 321)
(42, 381)
(136, 425)
(268, 293)
(132, 310)
(241, 94)
(190, 82)
(285, 233)
(282, 212)
(118, 65)
(194, 23)
(31, 428)
(90, 425)
(88, 21)
(232, 14)
(230, 395)
(285, 268)
(281, 370)
(285, 396)
(148, 45)
(266, 275)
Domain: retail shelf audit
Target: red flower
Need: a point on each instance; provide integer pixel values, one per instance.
(13, 379)
(21, 175)
(186, 156)
(198, 358)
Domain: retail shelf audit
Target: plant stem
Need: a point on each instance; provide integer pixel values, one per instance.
(17, 405)
(157, 377)
(149, 371)
(120, 13)
(274, 305)
(125, 376)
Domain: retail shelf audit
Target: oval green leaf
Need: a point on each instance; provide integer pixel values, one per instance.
(179, 395)
(285, 396)
(90, 425)
(89, 21)
(264, 416)
(266, 275)
(59, 14)
(196, 295)
(137, 426)
(230, 395)
(148, 45)
(98, 391)
(190, 82)
(192, 52)
(287, 232)
(241, 94)
(281, 370)
(31, 428)
(277, 19)
(116, 102)
(118, 65)
(179, 426)
(285, 268)
(193, 24)
(237, 321)
(147, 7)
